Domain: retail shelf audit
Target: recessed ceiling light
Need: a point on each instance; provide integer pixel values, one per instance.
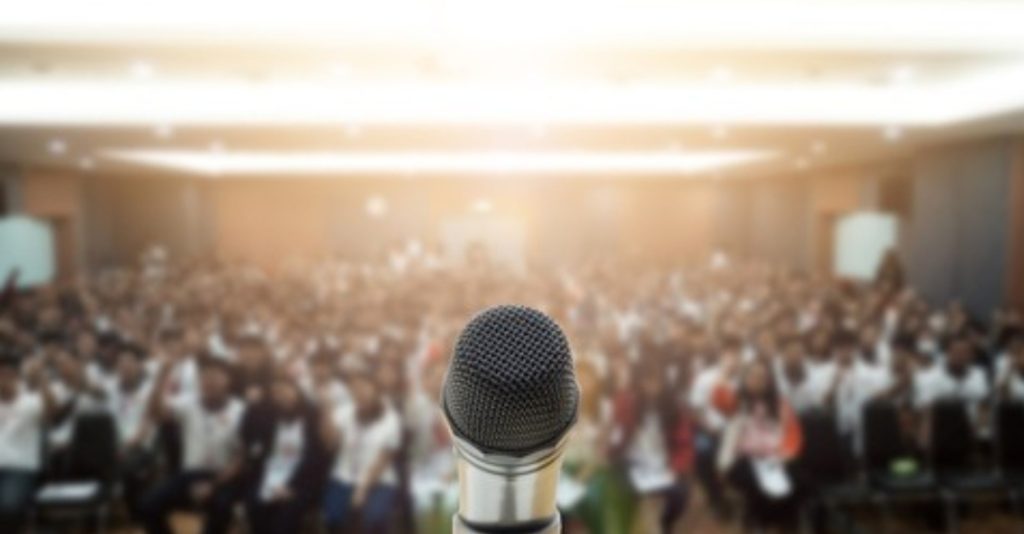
(341, 71)
(892, 133)
(57, 147)
(376, 206)
(142, 69)
(721, 74)
(342, 163)
(901, 74)
(819, 147)
(801, 164)
(163, 131)
(482, 205)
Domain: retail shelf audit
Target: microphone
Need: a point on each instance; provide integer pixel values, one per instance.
(510, 397)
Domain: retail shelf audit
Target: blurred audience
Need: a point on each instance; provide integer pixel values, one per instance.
(306, 394)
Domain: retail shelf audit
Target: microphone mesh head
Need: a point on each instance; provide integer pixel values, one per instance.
(510, 387)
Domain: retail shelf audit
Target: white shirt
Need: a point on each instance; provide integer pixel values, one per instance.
(100, 377)
(935, 383)
(808, 394)
(1004, 372)
(647, 452)
(210, 437)
(700, 398)
(337, 393)
(184, 377)
(1015, 391)
(860, 383)
(361, 445)
(74, 403)
(284, 458)
(129, 409)
(21, 432)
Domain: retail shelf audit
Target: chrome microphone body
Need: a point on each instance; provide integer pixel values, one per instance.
(497, 490)
(510, 398)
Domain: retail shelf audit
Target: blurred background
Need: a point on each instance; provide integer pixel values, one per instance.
(804, 214)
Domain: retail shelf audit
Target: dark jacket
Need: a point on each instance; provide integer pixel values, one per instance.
(259, 429)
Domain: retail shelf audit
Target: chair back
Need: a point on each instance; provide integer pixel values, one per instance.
(1009, 437)
(883, 436)
(94, 448)
(825, 458)
(951, 442)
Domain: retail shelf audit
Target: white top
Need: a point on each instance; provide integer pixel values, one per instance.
(808, 394)
(337, 393)
(649, 468)
(647, 451)
(700, 398)
(75, 403)
(210, 437)
(284, 458)
(184, 378)
(935, 383)
(361, 445)
(129, 409)
(21, 431)
(1016, 389)
(858, 384)
(100, 377)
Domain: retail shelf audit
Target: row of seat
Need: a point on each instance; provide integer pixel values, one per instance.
(955, 466)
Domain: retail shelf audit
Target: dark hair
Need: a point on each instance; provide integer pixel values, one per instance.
(133, 349)
(731, 343)
(905, 342)
(208, 362)
(844, 338)
(795, 339)
(250, 339)
(9, 361)
(172, 333)
(51, 335)
(770, 397)
(107, 340)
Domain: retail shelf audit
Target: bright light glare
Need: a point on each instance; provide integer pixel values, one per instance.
(227, 102)
(781, 24)
(340, 163)
(29, 101)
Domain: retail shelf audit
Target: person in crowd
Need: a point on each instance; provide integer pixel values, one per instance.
(253, 370)
(127, 399)
(806, 387)
(366, 435)
(710, 422)
(210, 430)
(25, 406)
(758, 448)
(72, 394)
(959, 378)
(854, 382)
(656, 444)
(432, 477)
(321, 380)
(597, 500)
(1010, 370)
(285, 458)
